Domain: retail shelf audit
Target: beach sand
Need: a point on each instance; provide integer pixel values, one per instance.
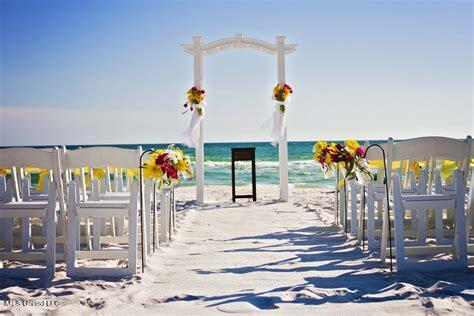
(262, 257)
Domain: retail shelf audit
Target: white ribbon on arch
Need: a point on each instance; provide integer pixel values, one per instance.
(191, 134)
(279, 121)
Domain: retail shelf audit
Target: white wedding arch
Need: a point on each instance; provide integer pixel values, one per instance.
(198, 49)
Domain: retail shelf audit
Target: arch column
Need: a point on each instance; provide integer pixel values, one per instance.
(198, 75)
(283, 144)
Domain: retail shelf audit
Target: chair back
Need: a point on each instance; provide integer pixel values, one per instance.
(99, 157)
(433, 149)
(29, 157)
(426, 148)
(22, 157)
(17, 158)
(102, 157)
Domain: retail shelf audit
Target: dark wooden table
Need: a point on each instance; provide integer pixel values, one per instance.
(244, 154)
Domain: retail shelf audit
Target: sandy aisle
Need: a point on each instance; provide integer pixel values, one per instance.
(260, 257)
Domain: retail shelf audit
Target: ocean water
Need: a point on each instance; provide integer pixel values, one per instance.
(303, 171)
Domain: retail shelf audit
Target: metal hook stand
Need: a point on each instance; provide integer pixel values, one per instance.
(387, 200)
(140, 171)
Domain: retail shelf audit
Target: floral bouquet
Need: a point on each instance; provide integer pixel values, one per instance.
(349, 156)
(168, 166)
(281, 94)
(195, 100)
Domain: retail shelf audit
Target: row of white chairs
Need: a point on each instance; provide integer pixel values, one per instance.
(79, 204)
(451, 213)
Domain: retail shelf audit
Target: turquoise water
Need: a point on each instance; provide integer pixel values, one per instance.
(302, 169)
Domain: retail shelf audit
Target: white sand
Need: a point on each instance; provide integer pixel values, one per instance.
(283, 258)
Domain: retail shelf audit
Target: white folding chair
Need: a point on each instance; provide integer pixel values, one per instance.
(101, 157)
(423, 203)
(428, 149)
(423, 149)
(45, 159)
(102, 209)
(371, 195)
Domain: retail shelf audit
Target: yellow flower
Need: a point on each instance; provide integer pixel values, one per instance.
(318, 147)
(132, 173)
(98, 173)
(182, 165)
(351, 144)
(276, 89)
(152, 170)
(332, 147)
(415, 166)
(4, 171)
(42, 176)
(447, 168)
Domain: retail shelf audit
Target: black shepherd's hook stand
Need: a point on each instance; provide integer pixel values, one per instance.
(387, 200)
(140, 171)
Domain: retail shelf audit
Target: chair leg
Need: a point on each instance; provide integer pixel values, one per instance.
(383, 241)
(25, 234)
(7, 229)
(113, 226)
(96, 225)
(174, 210)
(72, 235)
(163, 216)
(439, 226)
(77, 231)
(370, 219)
(120, 226)
(460, 231)
(148, 229)
(353, 208)
(155, 227)
(361, 214)
(413, 220)
(398, 223)
(380, 211)
(88, 234)
(421, 232)
(342, 206)
(43, 228)
(103, 227)
(51, 243)
(133, 231)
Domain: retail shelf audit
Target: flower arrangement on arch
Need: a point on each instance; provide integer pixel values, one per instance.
(348, 156)
(281, 93)
(195, 100)
(168, 166)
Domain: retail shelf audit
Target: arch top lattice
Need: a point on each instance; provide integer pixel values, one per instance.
(238, 42)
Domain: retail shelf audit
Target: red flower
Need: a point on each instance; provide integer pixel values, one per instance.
(202, 91)
(360, 151)
(321, 159)
(347, 158)
(194, 88)
(185, 105)
(161, 159)
(170, 171)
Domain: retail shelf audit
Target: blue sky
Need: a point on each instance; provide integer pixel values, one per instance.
(77, 72)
